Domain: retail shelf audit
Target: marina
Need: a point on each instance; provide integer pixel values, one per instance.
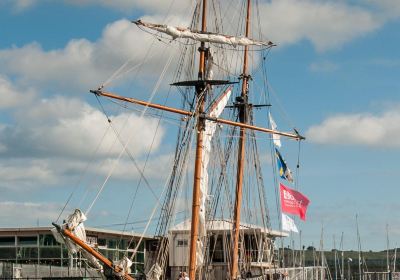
(199, 140)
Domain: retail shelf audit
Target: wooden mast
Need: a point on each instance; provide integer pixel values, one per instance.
(243, 116)
(200, 91)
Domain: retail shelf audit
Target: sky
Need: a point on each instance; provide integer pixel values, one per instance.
(334, 71)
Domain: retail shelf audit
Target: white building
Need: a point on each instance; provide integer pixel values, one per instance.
(256, 248)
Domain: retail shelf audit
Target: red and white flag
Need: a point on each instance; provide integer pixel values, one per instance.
(293, 202)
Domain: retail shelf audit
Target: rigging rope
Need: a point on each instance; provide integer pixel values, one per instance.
(82, 174)
(130, 138)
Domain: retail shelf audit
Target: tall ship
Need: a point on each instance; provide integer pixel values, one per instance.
(226, 141)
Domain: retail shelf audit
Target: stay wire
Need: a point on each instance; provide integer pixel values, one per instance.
(298, 166)
(144, 168)
(77, 185)
(127, 142)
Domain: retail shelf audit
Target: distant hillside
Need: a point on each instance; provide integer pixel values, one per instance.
(371, 261)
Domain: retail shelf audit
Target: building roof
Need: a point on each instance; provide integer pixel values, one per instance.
(226, 225)
(89, 230)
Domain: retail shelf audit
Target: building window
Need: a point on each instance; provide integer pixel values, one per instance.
(112, 244)
(122, 244)
(182, 243)
(50, 253)
(7, 241)
(102, 242)
(27, 253)
(27, 240)
(132, 244)
(47, 240)
(91, 240)
(140, 257)
(8, 253)
(216, 249)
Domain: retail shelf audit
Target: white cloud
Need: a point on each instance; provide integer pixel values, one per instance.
(22, 175)
(51, 142)
(176, 6)
(21, 5)
(71, 128)
(11, 96)
(327, 24)
(20, 214)
(82, 64)
(156, 168)
(359, 129)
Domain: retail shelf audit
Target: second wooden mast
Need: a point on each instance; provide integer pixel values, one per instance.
(200, 92)
(243, 106)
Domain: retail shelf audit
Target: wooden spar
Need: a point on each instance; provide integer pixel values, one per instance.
(200, 91)
(91, 251)
(143, 103)
(243, 114)
(204, 116)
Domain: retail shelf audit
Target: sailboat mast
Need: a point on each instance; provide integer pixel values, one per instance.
(243, 111)
(194, 232)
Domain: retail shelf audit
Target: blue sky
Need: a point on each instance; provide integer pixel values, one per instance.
(335, 72)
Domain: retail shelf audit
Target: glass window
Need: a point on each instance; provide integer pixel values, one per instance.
(132, 244)
(103, 252)
(47, 240)
(7, 241)
(91, 240)
(102, 242)
(27, 240)
(182, 242)
(65, 253)
(27, 253)
(216, 249)
(7, 253)
(122, 244)
(140, 257)
(122, 254)
(141, 247)
(152, 245)
(50, 253)
(112, 244)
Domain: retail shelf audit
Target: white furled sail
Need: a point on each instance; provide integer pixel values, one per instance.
(74, 223)
(216, 109)
(155, 272)
(181, 32)
(124, 266)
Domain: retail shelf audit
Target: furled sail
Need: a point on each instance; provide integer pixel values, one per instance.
(181, 32)
(74, 223)
(216, 109)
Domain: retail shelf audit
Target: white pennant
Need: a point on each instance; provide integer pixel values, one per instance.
(288, 224)
(275, 137)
